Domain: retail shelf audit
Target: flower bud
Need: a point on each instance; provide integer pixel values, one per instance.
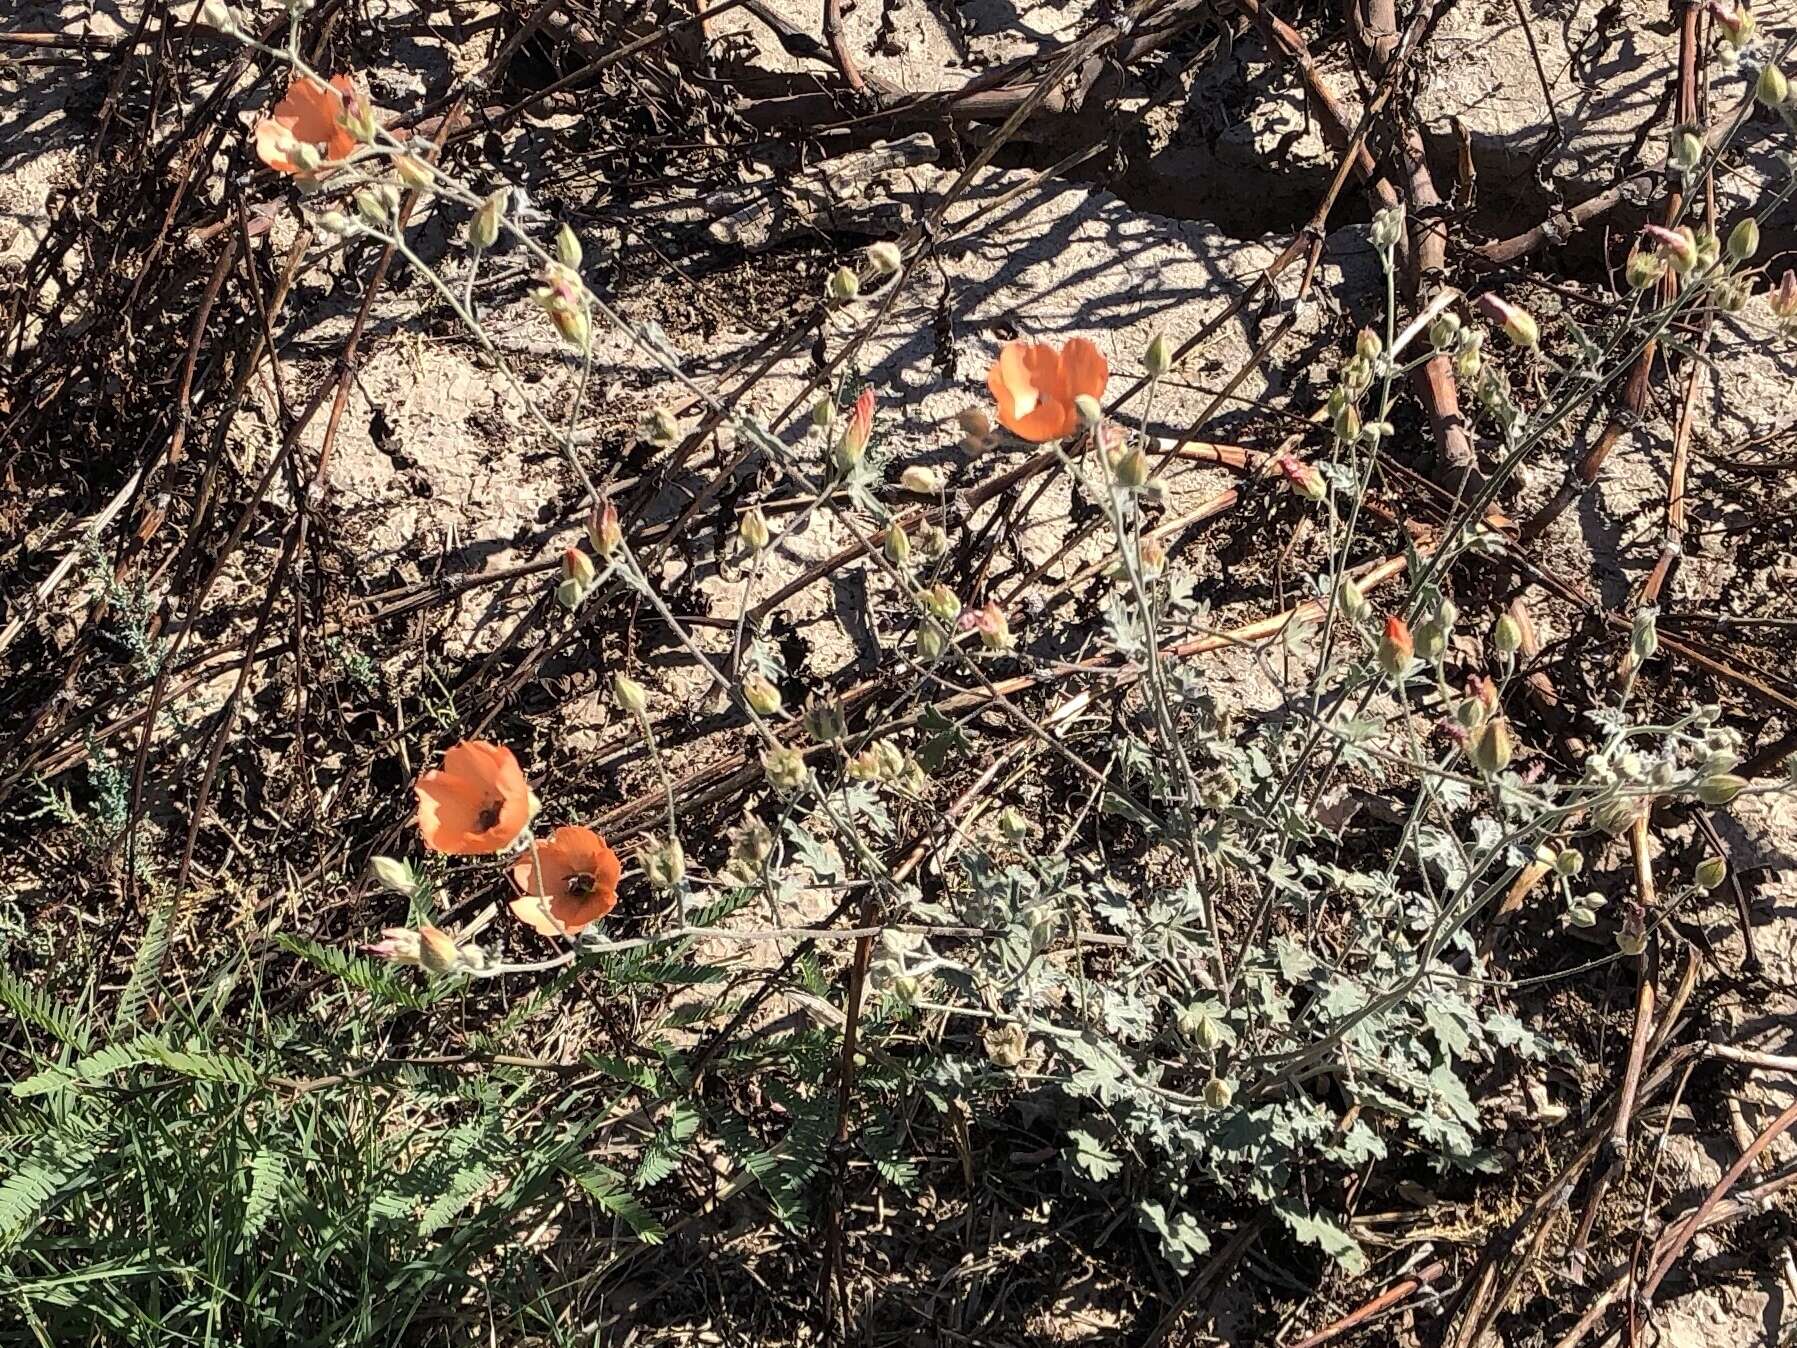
(1711, 872)
(1506, 636)
(631, 695)
(664, 864)
(1368, 346)
(763, 698)
(1198, 1025)
(823, 721)
(437, 952)
(306, 157)
(1644, 269)
(358, 118)
(394, 874)
(1772, 89)
(1685, 151)
(1218, 1093)
(578, 567)
(1152, 557)
(920, 479)
(941, 603)
(931, 640)
(932, 541)
(660, 427)
(1631, 937)
(1396, 648)
(1784, 299)
(413, 171)
(1347, 423)
(1445, 331)
(1568, 862)
(753, 529)
(1677, 246)
(569, 593)
(336, 222)
(603, 530)
(844, 285)
(785, 769)
(906, 988)
(1090, 412)
(1301, 477)
(1470, 359)
(989, 621)
(1388, 227)
(1352, 600)
(1130, 469)
(567, 248)
(1720, 788)
(884, 257)
(1012, 825)
(1517, 322)
(897, 544)
(823, 412)
(1432, 640)
(1491, 746)
(1007, 1045)
(1616, 816)
(1736, 22)
(1744, 239)
(483, 230)
(976, 429)
(1158, 359)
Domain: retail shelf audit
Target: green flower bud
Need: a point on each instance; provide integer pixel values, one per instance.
(1744, 239)
(1711, 872)
(631, 695)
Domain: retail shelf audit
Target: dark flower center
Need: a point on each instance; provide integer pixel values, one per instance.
(580, 884)
(489, 817)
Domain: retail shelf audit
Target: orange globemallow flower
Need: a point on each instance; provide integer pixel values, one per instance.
(311, 114)
(1035, 385)
(569, 882)
(476, 803)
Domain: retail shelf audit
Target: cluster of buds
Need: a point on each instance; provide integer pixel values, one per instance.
(786, 770)
(989, 622)
(431, 949)
(378, 204)
(900, 961)
(578, 575)
(1203, 1026)
(1129, 464)
(941, 603)
(563, 297)
(884, 762)
(1582, 911)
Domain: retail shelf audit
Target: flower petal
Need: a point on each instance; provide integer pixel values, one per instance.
(1084, 369)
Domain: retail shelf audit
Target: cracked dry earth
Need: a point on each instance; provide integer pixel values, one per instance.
(438, 475)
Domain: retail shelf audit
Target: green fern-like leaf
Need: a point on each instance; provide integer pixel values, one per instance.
(607, 1188)
(357, 972)
(268, 1176)
(146, 968)
(35, 1008)
(662, 1156)
(27, 1194)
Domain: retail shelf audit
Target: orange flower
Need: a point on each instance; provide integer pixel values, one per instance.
(311, 114)
(1035, 385)
(476, 803)
(568, 882)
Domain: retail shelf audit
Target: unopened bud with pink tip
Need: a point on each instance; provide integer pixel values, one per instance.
(603, 530)
(1677, 246)
(1784, 299)
(989, 621)
(1301, 477)
(1518, 323)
